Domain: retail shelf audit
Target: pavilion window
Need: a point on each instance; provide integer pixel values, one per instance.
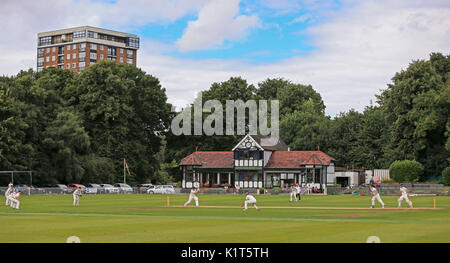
(189, 175)
(276, 180)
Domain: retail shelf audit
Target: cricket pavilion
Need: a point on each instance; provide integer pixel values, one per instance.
(255, 162)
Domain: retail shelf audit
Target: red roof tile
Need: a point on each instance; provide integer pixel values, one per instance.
(294, 159)
(191, 159)
(278, 159)
(209, 159)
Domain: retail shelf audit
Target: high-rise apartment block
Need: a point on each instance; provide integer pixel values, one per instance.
(78, 48)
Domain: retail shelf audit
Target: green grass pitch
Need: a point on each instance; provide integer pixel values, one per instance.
(146, 218)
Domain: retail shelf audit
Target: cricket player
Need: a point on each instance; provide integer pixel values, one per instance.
(76, 197)
(293, 191)
(309, 188)
(372, 182)
(375, 195)
(405, 195)
(249, 199)
(8, 192)
(299, 191)
(192, 195)
(14, 200)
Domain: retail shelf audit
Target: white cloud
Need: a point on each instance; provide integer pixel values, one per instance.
(217, 22)
(285, 6)
(282, 7)
(22, 20)
(141, 12)
(358, 48)
(358, 51)
(302, 19)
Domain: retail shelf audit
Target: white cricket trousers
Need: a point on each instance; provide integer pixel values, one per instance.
(377, 196)
(8, 201)
(295, 195)
(406, 199)
(76, 200)
(190, 199)
(14, 203)
(250, 202)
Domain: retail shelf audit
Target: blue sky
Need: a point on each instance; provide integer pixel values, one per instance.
(348, 50)
(279, 35)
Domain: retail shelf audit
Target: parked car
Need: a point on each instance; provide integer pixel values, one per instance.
(124, 188)
(146, 185)
(73, 187)
(62, 188)
(92, 188)
(169, 189)
(107, 188)
(161, 189)
(23, 188)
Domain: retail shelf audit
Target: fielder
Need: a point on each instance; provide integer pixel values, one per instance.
(293, 191)
(299, 191)
(193, 196)
(14, 200)
(8, 192)
(405, 195)
(76, 197)
(249, 199)
(375, 195)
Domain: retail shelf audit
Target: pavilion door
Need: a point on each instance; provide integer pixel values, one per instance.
(231, 176)
(212, 179)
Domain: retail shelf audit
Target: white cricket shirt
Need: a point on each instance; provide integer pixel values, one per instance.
(250, 198)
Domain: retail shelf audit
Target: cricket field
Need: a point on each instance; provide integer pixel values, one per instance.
(140, 218)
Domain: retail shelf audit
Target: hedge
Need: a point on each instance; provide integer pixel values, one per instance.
(406, 171)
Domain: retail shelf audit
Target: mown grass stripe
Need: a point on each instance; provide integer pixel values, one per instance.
(175, 217)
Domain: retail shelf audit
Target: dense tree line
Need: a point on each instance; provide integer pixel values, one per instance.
(410, 122)
(70, 127)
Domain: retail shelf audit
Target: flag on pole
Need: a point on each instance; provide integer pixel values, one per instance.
(126, 166)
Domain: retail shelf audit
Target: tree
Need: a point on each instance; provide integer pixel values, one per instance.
(293, 97)
(303, 123)
(233, 89)
(65, 142)
(343, 138)
(369, 150)
(406, 171)
(13, 147)
(417, 108)
(269, 88)
(306, 129)
(38, 95)
(168, 171)
(80, 127)
(124, 111)
(98, 169)
(446, 176)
